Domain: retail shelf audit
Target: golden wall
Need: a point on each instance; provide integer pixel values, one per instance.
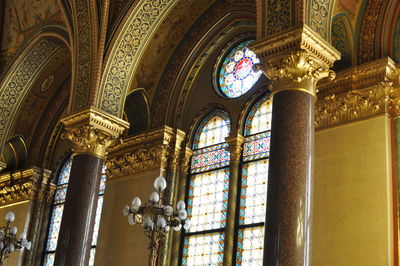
(120, 243)
(352, 222)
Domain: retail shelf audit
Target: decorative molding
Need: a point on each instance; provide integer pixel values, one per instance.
(302, 38)
(177, 63)
(93, 131)
(278, 16)
(157, 149)
(319, 12)
(31, 184)
(84, 53)
(369, 30)
(21, 76)
(296, 60)
(358, 93)
(361, 76)
(128, 48)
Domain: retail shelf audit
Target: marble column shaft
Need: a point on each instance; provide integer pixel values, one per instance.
(288, 222)
(75, 238)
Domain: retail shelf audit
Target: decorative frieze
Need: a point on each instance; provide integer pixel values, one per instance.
(358, 93)
(31, 184)
(158, 149)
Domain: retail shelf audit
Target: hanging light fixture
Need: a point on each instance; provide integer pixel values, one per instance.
(156, 218)
(8, 239)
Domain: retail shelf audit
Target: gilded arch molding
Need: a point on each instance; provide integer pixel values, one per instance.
(17, 81)
(129, 44)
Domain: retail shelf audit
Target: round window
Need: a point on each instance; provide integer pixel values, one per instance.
(236, 75)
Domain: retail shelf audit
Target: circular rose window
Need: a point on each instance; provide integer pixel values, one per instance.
(236, 75)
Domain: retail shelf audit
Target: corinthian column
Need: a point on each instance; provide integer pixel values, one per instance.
(294, 61)
(91, 132)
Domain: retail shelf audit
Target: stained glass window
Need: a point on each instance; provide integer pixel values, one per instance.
(236, 75)
(254, 180)
(57, 212)
(208, 192)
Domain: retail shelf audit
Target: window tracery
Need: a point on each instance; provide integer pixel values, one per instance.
(236, 74)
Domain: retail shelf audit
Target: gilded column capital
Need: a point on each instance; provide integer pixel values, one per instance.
(296, 60)
(92, 131)
(235, 146)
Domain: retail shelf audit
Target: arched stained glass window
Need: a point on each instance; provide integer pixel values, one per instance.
(208, 192)
(253, 189)
(57, 212)
(236, 75)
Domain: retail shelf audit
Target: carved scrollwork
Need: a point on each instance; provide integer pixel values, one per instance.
(296, 71)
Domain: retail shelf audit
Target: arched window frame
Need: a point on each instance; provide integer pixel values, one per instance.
(62, 180)
(209, 160)
(253, 184)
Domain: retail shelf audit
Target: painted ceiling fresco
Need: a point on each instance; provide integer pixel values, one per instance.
(21, 16)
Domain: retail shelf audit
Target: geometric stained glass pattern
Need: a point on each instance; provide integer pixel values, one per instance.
(207, 200)
(54, 229)
(236, 75)
(205, 249)
(212, 130)
(250, 246)
(49, 259)
(256, 146)
(259, 118)
(210, 158)
(253, 194)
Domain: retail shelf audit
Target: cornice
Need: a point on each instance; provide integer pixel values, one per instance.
(30, 184)
(358, 93)
(302, 38)
(156, 149)
(361, 76)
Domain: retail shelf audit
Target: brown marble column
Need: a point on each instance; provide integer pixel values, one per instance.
(79, 211)
(288, 223)
(294, 61)
(91, 132)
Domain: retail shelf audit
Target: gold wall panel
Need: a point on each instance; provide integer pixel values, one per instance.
(353, 223)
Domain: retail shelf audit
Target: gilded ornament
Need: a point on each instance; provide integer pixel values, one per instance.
(157, 149)
(360, 92)
(143, 21)
(93, 131)
(22, 75)
(31, 184)
(296, 60)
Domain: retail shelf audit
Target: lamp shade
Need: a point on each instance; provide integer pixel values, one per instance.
(10, 217)
(160, 183)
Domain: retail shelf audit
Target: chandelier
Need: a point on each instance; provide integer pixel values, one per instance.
(8, 239)
(156, 218)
